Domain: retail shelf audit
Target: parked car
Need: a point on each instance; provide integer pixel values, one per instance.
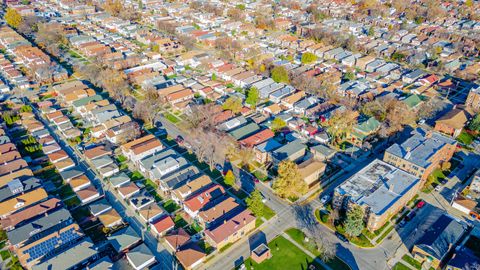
(438, 188)
(410, 216)
(444, 181)
(219, 167)
(402, 223)
(341, 237)
(179, 139)
(420, 204)
(325, 199)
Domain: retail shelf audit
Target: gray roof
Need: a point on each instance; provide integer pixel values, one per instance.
(38, 225)
(99, 207)
(17, 186)
(69, 258)
(101, 161)
(378, 185)
(437, 239)
(149, 161)
(269, 145)
(119, 179)
(232, 123)
(124, 239)
(179, 177)
(140, 255)
(288, 150)
(71, 173)
(84, 101)
(419, 148)
(244, 131)
(323, 149)
(103, 264)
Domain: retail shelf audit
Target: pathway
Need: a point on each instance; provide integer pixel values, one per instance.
(306, 251)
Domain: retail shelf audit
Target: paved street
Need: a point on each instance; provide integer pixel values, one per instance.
(164, 257)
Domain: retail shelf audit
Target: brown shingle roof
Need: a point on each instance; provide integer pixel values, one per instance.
(30, 212)
(230, 226)
(22, 201)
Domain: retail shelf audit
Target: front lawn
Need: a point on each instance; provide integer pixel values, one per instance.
(465, 138)
(285, 255)
(172, 118)
(400, 266)
(416, 264)
(299, 237)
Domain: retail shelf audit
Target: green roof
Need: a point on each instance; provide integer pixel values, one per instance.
(365, 128)
(244, 131)
(84, 101)
(412, 101)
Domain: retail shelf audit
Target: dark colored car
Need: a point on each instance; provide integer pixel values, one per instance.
(341, 237)
(443, 181)
(179, 139)
(410, 216)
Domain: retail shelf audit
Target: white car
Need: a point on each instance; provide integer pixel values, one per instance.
(325, 199)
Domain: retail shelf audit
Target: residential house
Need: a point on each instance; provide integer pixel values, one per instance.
(452, 123)
(230, 229)
(439, 241)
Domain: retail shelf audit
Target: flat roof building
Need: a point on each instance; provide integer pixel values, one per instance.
(379, 188)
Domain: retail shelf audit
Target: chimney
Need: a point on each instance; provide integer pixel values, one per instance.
(224, 221)
(428, 135)
(244, 221)
(390, 187)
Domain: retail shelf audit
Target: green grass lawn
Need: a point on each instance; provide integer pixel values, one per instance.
(179, 221)
(299, 237)
(149, 184)
(65, 191)
(72, 202)
(285, 255)
(136, 175)
(5, 254)
(412, 261)
(465, 138)
(400, 266)
(121, 159)
(385, 234)
(170, 206)
(172, 118)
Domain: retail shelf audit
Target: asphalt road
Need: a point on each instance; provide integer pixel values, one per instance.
(163, 256)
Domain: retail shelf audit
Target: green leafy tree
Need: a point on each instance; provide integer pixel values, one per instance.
(371, 31)
(252, 97)
(234, 104)
(280, 74)
(255, 204)
(349, 76)
(475, 124)
(278, 124)
(289, 182)
(229, 178)
(214, 77)
(354, 222)
(13, 18)
(308, 58)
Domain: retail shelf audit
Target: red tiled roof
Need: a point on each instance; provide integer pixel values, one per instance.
(163, 224)
(257, 138)
(196, 202)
